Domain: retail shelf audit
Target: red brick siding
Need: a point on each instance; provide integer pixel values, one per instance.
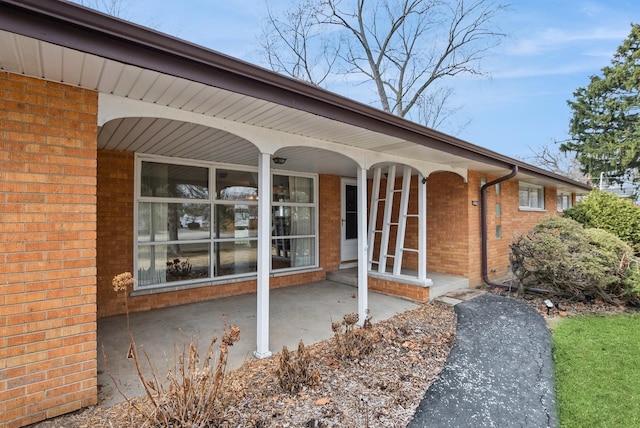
(115, 225)
(411, 292)
(329, 219)
(48, 349)
(513, 221)
(448, 231)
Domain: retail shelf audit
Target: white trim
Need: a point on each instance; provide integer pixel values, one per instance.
(363, 248)
(213, 201)
(111, 107)
(264, 256)
(422, 227)
(350, 261)
(529, 187)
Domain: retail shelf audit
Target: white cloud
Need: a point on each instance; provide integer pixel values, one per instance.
(553, 39)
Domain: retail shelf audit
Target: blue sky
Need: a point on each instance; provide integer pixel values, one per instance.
(552, 48)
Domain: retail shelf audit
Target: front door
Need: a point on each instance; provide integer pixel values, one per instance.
(349, 228)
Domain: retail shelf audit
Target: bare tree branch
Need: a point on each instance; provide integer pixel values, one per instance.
(401, 47)
(553, 160)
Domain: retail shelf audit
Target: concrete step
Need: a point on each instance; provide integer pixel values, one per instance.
(344, 276)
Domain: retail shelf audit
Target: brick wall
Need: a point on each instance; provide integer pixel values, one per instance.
(447, 224)
(408, 291)
(512, 220)
(47, 249)
(115, 226)
(329, 219)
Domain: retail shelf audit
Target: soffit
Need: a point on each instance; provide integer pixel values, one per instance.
(32, 57)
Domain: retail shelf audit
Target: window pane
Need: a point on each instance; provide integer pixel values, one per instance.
(351, 226)
(498, 210)
(172, 222)
(524, 197)
(174, 181)
(236, 185)
(236, 257)
(292, 189)
(236, 221)
(289, 221)
(158, 264)
(533, 198)
(292, 252)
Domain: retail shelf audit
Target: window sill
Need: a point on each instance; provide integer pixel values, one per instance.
(213, 282)
(530, 209)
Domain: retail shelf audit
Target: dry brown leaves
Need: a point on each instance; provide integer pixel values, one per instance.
(381, 390)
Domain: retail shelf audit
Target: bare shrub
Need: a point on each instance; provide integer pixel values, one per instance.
(353, 342)
(294, 371)
(192, 394)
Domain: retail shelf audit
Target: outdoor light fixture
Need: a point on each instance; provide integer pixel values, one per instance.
(549, 304)
(279, 161)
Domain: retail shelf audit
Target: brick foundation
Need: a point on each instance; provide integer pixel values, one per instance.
(394, 288)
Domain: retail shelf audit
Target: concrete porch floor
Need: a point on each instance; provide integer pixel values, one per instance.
(302, 312)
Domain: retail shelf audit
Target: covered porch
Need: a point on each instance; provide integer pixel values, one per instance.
(221, 207)
(303, 312)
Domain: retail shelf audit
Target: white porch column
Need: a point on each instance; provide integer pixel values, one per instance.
(264, 255)
(422, 227)
(363, 259)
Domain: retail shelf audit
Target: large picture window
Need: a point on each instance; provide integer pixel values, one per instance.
(199, 222)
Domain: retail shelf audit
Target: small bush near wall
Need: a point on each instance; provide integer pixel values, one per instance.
(610, 212)
(560, 254)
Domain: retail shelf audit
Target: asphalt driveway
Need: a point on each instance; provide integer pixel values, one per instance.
(499, 372)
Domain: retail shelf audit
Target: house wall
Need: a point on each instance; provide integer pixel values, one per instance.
(512, 220)
(448, 233)
(329, 221)
(47, 249)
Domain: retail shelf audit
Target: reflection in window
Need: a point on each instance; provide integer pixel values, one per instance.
(174, 181)
(186, 233)
(292, 189)
(160, 221)
(162, 263)
(292, 252)
(236, 185)
(293, 215)
(236, 221)
(236, 257)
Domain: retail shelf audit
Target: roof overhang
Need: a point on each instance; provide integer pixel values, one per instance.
(64, 42)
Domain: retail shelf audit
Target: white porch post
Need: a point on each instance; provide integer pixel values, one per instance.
(264, 255)
(422, 227)
(363, 259)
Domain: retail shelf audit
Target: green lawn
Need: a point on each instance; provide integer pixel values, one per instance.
(597, 363)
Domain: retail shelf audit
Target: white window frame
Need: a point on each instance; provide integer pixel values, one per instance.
(561, 198)
(530, 188)
(213, 201)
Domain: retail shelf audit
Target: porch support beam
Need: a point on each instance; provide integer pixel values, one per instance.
(264, 255)
(363, 259)
(422, 227)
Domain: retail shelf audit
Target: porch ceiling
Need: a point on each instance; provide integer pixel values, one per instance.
(110, 56)
(31, 57)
